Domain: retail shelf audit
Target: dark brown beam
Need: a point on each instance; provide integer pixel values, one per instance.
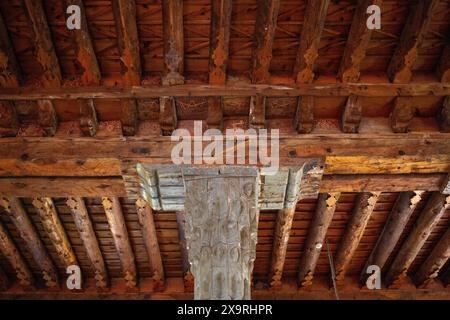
(352, 114)
(413, 34)
(398, 218)
(88, 117)
(424, 225)
(87, 234)
(443, 69)
(167, 115)
(12, 254)
(402, 114)
(173, 41)
(266, 24)
(220, 38)
(4, 281)
(215, 113)
(9, 121)
(55, 230)
(443, 116)
(446, 278)
(9, 68)
(364, 205)
(19, 217)
(122, 243)
(357, 42)
(145, 215)
(304, 115)
(326, 205)
(47, 117)
(308, 52)
(129, 117)
(257, 116)
(188, 279)
(435, 261)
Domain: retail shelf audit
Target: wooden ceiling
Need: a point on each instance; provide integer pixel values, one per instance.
(79, 109)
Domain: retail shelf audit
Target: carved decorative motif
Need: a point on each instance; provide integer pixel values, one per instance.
(173, 60)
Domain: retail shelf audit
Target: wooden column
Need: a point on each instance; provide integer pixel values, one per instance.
(55, 230)
(427, 220)
(12, 254)
(326, 205)
(145, 215)
(221, 230)
(188, 278)
(398, 218)
(84, 226)
(119, 232)
(435, 261)
(364, 205)
(14, 209)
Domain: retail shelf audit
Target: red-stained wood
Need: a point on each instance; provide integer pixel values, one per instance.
(88, 117)
(215, 113)
(352, 114)
(9, 67)
(4, 281)
(304, 115)
(47, 117)
(167, 115)
(129, 117)
(9, 121)
(402, 114)
(257, 114)
(443, 69)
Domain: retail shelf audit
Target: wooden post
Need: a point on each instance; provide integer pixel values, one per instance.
(188, 278)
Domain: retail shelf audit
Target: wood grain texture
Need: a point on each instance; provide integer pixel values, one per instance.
(88, 117)
(188, 278)
(9, 68)
(9, 120)
(351, 116)
(257, 115)
(167, 115)
(402, 114)
(4, 281)
(443, 69)
(443, 116)
(304, 115)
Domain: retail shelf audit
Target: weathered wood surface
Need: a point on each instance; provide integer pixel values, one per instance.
(88, 117)
(188, 278)
(87, 234)
(9, 67)
(351, 116)
(402, 114)
(443, 69)
(316, 237)
(9, 120)
(304, 115)
(443, 116)
(257, 116)
(47, 117)
(167, 115)
(4, 281)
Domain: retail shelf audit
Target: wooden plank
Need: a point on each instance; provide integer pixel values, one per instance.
(304, 115)
(357, 43)
(9, 67)
(129, 117)
(14, 257)
(55, 230)
(87, 234)
(9, 121)
(19, 217)
(280, 243)
(443, 116)
(62, 187)
(313, 23)
(257, 114)
(402, 114)
(424, 225)
(219, 40)
(326, 205)
(147, 224)
(215, 113)
(352, 114)
(167, 115)
(88, 117)
(188, 279)
(443, 69)
(122, 243)
(413, 34)
(429, 270)
(266, 24)
(398, 218)
(364, 205)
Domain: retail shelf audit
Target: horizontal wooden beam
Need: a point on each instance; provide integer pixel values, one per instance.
(241, 90)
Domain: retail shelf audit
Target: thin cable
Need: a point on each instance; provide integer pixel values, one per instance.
(333, 274)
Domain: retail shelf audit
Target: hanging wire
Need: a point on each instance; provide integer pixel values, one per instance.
(333, 273)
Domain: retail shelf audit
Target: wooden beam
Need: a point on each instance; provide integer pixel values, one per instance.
(435, 261)
(87, 234)
(84, 51)
(219, 42)
(357, 42)
(413, 34)
(19, 217)
(167, 115)
(443, 116)
(242, 90)
(129, 117)
(12, 254)
(55, 230)
(4, 281)
(352, 114)
(402, 114)
(119, 232)
(266, 24)
(443, 69)
(308, 51)
(9, 121)
(425, 223)
(445, 186)
(398, 218)
(9, 67)
(304, 115)
(326, 205)
(47, 117)
(43, 45)
(145, 215)
(364, 205)
(188, 279)
(215, 113)
(88, 117)
(257, 114)
(173, 41)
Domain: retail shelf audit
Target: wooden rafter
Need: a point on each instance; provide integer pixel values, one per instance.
(14, 209)
(147, 223)
(316, 237)
(119, 232)
(364, 206)
(428, 218)
(55, 230)
(413, 34)
(9, 68)
(266, 23)
(84, 226)
(313, 23)
(173, 41)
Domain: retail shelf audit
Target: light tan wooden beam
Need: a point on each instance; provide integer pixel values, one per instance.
(364, 206)
(145, 215)
(55, 230)
(18, 216)
(84, 226)
(424, 225)
(119, 232)
(413, 34)
(326, 205)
